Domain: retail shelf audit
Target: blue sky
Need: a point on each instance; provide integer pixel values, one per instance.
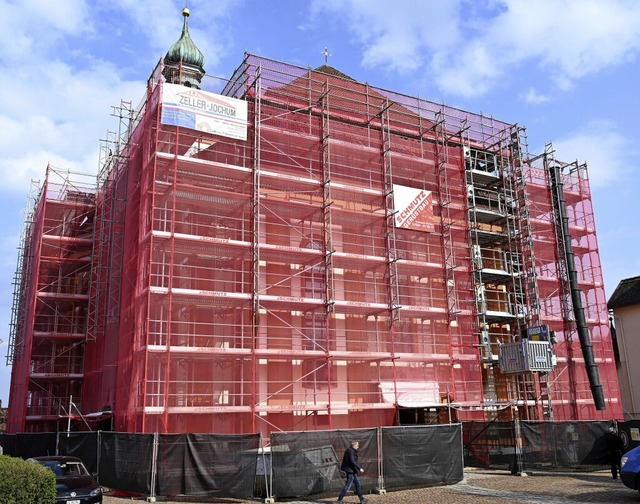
(567, 70)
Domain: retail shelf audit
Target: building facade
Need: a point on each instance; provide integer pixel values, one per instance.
(624, 306)
(289, 249)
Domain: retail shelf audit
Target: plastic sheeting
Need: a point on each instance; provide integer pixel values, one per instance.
(207, 464)
(562, 444)
(35, 444)
(126, 461)
(489, 444)
(422, 455)
(9, 444)
(545, 445)
(307, 463)
(83, 445)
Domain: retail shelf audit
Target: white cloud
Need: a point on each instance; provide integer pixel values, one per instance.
(165, 16)
(605, 150)
(532, 96)
(57, 105)
(565, 39)
(59, 118)
(452, 72)
(29, 28)
(468, 48)
(398, 37)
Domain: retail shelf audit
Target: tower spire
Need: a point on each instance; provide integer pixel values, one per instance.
(183, 63)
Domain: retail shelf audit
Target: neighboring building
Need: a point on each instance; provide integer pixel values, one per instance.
(290, 249)
(625, 305)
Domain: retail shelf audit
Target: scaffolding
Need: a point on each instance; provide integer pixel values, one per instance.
(356, 261)
(51, 320)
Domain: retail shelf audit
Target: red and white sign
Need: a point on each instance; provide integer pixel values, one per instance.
(414, 208)
(204, 111)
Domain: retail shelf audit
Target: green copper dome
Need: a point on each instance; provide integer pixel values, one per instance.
(184, 49)
(184, 62)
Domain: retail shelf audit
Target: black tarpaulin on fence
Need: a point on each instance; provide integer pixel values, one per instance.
(306, 463)
(207, 465)
(9, 443)
(599, 453)
(126, 461)
(489, 444)
(422, 455)
(559, 444)
(83, 445)
(35, 444)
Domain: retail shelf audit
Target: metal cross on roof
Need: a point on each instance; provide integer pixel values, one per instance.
(326, 55)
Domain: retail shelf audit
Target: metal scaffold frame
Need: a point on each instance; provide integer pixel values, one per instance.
(354, 258)
(255, 243)
(22, 278)
(104, 301)
(53, 286)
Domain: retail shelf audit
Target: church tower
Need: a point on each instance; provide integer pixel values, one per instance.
(183, 63)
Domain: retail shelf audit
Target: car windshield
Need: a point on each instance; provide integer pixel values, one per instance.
(66, 469)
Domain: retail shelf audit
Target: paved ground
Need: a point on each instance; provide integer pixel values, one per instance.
(482, 486)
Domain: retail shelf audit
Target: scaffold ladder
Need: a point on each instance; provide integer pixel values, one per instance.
(518, 296)
(327, 200)
(255, 239)
(444, 201)
(394, 292)
(507, 161)
(518, 153)
(531, 387)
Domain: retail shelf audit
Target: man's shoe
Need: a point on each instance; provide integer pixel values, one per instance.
(364, 501)
(340, 501)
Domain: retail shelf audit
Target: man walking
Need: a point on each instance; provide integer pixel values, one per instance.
(351, 468)
(614, 446)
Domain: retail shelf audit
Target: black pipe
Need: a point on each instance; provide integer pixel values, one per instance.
(578, 310)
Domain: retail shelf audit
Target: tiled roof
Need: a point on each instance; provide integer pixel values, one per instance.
(627, 293)
(329, 70)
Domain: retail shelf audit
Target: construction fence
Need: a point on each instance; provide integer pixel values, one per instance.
(301, 464)
(519, 446)
(239, 466)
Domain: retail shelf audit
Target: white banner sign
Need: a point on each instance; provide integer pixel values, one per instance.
(414, 208)
(204, 111)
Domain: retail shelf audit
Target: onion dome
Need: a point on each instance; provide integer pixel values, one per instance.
(183, 63)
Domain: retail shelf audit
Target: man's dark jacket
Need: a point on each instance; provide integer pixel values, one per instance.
(350, 461)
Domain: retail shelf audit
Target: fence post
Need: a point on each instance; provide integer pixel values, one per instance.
(98, 447)
(380, 488)
(516, 468)
(154, 468)
(268, 475)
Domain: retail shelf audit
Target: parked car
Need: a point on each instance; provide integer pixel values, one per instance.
(630, 469)
(74, 484)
